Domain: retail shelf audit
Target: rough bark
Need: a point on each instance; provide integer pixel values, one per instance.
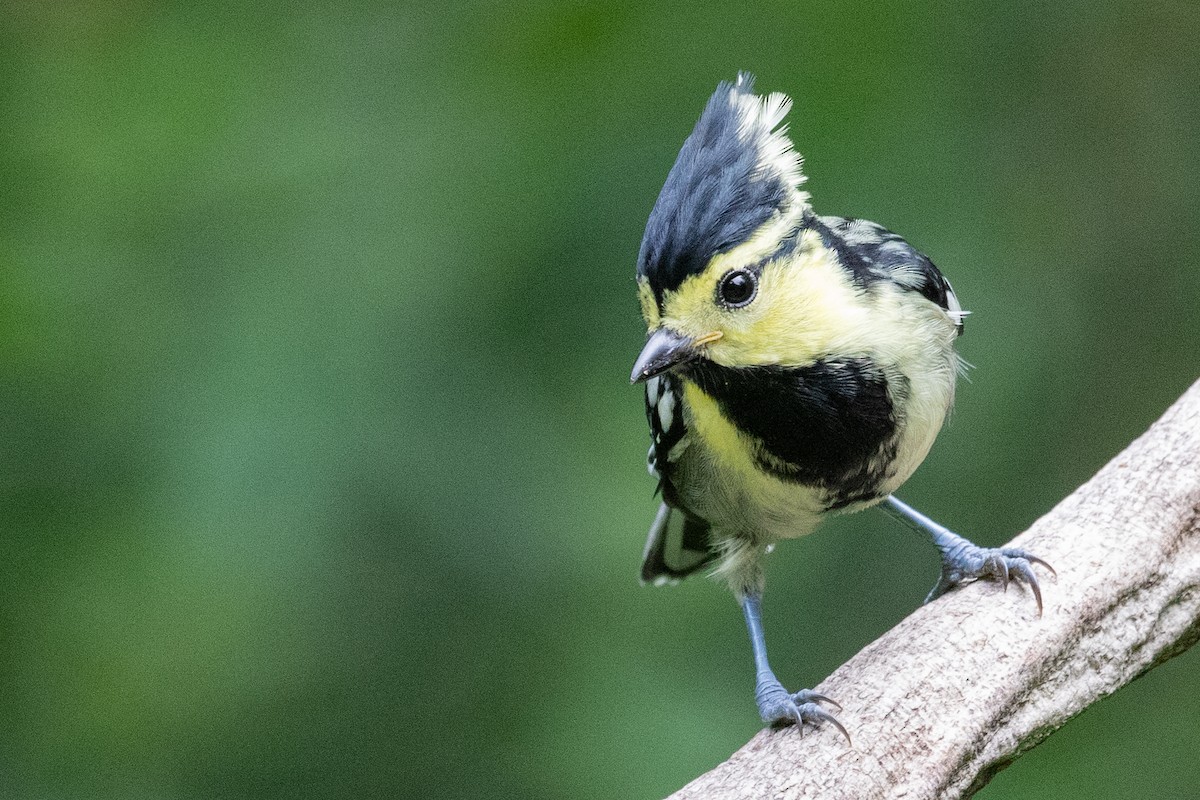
(965, 685)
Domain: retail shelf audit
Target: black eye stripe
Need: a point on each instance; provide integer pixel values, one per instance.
(737, 288)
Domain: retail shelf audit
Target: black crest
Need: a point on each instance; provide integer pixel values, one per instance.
(733, 174)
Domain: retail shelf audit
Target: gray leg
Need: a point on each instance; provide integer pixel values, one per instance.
(775, 704)
(963, 561)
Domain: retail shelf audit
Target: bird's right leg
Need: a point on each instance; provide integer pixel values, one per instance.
(776, 705)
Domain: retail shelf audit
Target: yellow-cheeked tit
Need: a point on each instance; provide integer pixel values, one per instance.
(797, 366)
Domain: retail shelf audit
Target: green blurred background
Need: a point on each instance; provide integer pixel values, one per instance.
(322, 475)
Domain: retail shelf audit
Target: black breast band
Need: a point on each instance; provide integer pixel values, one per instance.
(831, 424)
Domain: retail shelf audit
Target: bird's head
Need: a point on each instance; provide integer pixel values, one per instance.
(714, 271)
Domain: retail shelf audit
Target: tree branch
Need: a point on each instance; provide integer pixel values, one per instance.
(965, 685)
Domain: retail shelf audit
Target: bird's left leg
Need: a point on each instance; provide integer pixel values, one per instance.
(776, 705)
(965, 561)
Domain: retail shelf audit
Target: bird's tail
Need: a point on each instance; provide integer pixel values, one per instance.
(677, 546)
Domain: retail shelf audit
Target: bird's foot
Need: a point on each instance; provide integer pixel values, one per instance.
(968, 562)
(778, 707)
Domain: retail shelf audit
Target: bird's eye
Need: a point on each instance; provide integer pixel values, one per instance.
(737, 288)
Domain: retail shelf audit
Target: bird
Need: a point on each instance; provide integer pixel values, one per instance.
(796, 366)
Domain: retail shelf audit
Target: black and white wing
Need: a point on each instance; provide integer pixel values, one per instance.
(871, 252)
(678, 542)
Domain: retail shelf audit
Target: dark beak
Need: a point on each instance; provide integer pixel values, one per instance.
(664, 350)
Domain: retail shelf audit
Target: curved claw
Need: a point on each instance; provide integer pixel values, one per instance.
(778, 707)
(1026, 574)
(1016, 552)
(800, 713)
(809, 696)
(967, 562)
(945, 583)
(823, 716)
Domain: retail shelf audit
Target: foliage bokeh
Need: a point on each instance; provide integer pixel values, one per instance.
(322, 474)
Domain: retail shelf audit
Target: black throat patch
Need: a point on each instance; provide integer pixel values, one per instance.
(831, 424)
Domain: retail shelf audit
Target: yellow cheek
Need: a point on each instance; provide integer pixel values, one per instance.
(648, 303)
(805, 309)
(690, 309)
